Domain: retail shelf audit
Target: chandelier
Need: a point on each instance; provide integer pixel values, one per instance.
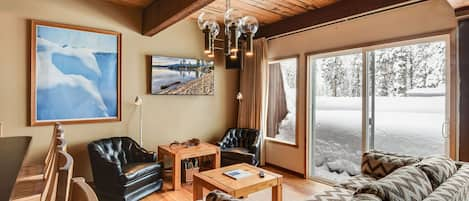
(238, 28)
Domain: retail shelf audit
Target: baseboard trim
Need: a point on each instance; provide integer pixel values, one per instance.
(286, 170)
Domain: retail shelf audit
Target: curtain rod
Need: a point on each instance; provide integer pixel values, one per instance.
(353, 17)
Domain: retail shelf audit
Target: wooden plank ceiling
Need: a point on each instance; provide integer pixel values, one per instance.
(132, 3)
(275, 16)
(266, 11)
(458, 3)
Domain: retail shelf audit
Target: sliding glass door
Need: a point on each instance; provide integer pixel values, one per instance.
(336, 122)
(400, 107)
(409, 98)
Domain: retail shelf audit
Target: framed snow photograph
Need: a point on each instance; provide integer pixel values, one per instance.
(75, 74)
(181, 76)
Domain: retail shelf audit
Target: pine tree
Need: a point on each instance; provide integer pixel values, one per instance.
(356, 83)
(333, 73)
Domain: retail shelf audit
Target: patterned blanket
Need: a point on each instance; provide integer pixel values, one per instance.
(450, 185)
(335, 194)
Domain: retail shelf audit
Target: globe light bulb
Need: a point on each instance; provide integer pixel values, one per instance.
(203, 19)
(233, 17)
(214, 28)
(249, 24)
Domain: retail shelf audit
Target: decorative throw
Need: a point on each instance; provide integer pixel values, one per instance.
(379, 164)
(219, 196)
(456, 188)
(408, 183)
(438, 169)
(336, 194)
(365, 197)
(356, 182)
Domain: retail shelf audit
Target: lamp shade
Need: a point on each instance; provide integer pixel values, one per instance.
(239, 96)
(138, 100)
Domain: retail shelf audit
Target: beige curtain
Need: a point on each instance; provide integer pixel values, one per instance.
(252, 86)
(276, 101)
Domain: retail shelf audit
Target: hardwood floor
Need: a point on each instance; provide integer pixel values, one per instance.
(294, 189)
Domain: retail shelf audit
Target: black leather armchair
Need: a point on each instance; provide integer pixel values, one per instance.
(122, 170)
(240, 145)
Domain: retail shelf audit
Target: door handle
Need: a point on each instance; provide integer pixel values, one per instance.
(443, 130)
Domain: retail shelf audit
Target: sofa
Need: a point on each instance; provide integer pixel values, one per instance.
(390, 177)
(124, 171)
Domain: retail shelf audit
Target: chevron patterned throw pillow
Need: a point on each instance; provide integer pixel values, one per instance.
(379, 164)
(438, 169)
(408, 183)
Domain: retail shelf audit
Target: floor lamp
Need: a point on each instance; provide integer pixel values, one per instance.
(139, 103)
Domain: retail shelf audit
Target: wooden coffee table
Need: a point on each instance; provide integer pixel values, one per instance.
(178, 153)
(215, 179)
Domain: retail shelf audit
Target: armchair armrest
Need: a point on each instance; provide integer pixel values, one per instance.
(255, 146)
(223, 141)
(105, 171)
(221, 144)
(142, 155)
(111, 166)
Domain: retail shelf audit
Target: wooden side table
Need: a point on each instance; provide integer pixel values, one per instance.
(179, 153)
(215, 179)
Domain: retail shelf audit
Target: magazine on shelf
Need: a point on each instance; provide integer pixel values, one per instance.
(237, 174)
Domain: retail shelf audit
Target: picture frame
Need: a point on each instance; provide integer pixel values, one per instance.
(181, 76)
(75, 74)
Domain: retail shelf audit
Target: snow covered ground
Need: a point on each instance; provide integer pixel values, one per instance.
(408, 125)
(287, 127)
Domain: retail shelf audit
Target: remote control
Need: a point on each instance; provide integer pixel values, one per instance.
(261, 174)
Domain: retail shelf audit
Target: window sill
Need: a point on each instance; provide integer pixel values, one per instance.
(281, 142)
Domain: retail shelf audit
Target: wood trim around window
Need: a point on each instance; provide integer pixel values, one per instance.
(298, 89)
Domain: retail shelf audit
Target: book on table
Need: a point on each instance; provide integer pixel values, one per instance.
(237, 174)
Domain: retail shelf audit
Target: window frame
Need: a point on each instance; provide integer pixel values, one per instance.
(452, 97)
(297, 116)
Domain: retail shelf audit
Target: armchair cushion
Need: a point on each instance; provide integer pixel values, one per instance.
(237, 150)
(231, 158)
(135, 171)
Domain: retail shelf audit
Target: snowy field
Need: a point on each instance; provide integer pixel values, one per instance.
(408, 125)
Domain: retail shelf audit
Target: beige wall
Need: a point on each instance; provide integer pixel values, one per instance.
(166, 118)
(426, 17)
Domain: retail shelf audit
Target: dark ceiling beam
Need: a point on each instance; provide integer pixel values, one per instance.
(462, 11)
(161, 14)
(336, 11)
